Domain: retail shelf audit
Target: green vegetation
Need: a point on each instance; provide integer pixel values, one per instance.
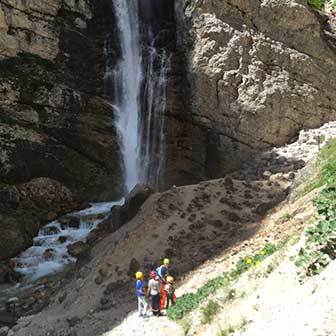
(325, 168)
(209, 311)
(30, 71)
(191, 301)
(286, 217)
(185, 325)
(231, 294)
(317, 4)
(226, 332)
(320, 245)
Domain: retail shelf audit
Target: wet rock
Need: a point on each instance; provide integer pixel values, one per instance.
(49, 253)
(50, 230)
(78, 249)
(62, 239)
(70, 221)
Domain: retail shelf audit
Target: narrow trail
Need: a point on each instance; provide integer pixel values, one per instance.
(152, 326)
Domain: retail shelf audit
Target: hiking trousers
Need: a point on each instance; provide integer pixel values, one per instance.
(142, 305)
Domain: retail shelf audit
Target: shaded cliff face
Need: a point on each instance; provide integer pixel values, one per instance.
(57, 137)
(54, 120)
(259, 71)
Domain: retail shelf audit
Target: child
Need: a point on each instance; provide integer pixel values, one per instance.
(140, 293)
(170, 291)
(154, 288)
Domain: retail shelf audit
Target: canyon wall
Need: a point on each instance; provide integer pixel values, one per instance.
(57, 137)
(54, 119)
(259, 71)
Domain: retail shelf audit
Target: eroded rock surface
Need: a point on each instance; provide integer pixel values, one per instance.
(26, 207)
(259, 72)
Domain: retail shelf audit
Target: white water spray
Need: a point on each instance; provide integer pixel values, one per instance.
(128, 78)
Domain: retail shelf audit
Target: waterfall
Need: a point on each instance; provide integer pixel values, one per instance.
(155, 102)
(128, 79)
(140, 87)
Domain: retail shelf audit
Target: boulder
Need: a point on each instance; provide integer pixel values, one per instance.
(121, 214)
(78, 249)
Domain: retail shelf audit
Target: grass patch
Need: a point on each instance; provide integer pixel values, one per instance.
(317, 4)
(190, 301)
(325, 168)
(226, 332)
(320, 244)
(185, 325)
(209, 311)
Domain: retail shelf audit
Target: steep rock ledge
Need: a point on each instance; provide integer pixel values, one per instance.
(259, 72)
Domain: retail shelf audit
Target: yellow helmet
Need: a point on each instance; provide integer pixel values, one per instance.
(139, 275)
(170, 279)
(166, 261)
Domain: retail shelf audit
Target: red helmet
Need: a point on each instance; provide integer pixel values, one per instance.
(153, 274)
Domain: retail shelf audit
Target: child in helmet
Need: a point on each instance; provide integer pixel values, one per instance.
(154, 289)
(140, 293)
(170, 291)
(163, 270)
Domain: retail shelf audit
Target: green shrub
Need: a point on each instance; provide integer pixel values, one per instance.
(190, 301)
(320, 245)
(317, 4)
(325, 168)
(209, 311)
(226, 332)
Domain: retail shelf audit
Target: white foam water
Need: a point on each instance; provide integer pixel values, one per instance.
(127, 81)
(49, 253)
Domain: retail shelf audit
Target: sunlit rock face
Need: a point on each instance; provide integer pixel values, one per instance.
(259, 71)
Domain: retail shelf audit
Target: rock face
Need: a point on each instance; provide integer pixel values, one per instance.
(259, 71)
(54, 118)
(26, 207)
(121, 214)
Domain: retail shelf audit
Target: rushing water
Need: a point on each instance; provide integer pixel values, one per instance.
(140, 86)
(49, 253)
(128, 79)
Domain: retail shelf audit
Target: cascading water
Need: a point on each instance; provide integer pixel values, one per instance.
(128, 79)
(153, 119)
(140, 79)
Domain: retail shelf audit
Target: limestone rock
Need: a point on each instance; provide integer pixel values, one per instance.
(259, 71)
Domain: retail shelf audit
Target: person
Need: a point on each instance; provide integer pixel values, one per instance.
(163, 270)
(140, 293)
(170, 291)
(154, 289)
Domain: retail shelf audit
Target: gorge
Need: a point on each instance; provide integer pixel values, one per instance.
(97, 97)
